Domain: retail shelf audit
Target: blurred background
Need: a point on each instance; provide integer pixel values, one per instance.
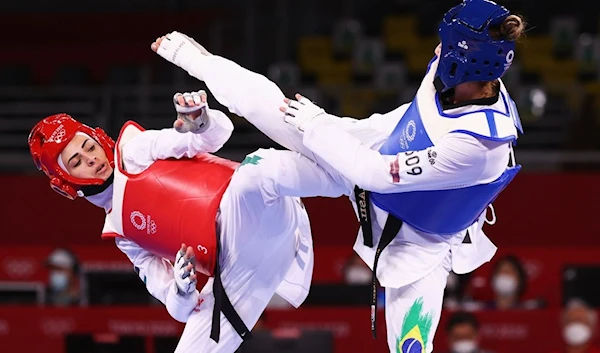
(64, 290)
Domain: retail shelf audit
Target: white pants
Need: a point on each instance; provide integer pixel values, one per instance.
(259, 228)
(412, 312)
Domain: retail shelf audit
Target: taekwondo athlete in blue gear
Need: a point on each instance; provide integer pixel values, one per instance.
(468, 53)
(471, 52)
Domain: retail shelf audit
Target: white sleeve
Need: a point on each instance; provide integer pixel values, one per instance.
(157, 273)
(218, 131)
(152, 145)
(373, 127)
(457, 160)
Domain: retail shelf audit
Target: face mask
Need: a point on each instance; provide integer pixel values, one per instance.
(504, 285)
(358, 275)
(59, 280)
(464, 346)
(576, 334)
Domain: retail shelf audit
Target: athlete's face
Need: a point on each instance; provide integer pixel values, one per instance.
(85, 159)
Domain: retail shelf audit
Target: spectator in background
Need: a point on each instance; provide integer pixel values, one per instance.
(462, 333)
(578, 326)
(509, 283)
(63, 279)
(357, 273)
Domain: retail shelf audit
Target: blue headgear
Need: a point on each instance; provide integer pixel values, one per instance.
(469, 53)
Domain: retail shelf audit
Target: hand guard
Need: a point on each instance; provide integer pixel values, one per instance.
(182, 277)
(301, 112)
(194, 103)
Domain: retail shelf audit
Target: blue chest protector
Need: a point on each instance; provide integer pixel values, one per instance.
(442, 212)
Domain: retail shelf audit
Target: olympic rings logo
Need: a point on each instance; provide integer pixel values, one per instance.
(141, 222)
(58, 135)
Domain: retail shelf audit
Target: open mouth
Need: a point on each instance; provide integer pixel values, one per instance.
(101, 168)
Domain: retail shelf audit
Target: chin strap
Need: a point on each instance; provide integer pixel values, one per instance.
(439, 85)
(91, 190)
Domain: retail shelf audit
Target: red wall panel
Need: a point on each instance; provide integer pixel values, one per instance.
(519, 331)
(535, 210)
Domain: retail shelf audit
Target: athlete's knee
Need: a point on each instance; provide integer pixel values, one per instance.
(257, 174)
(243, 181)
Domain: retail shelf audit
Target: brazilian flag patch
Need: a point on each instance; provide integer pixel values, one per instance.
(415, 329)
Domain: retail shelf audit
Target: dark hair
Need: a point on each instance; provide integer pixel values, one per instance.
(512, 28)
(518, 265)
(462, 317)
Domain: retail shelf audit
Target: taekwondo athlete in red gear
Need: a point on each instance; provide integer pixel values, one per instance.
(161, 188)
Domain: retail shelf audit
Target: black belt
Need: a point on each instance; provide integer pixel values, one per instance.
(391, 228)
(223, 304)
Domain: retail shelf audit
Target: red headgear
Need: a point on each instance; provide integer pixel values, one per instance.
(47, 140)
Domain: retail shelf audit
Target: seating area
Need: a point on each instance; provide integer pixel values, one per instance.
(552, 78)
(351, 68)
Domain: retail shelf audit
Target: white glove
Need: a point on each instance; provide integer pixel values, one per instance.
(192, 112)
(185, 274)
(301, 112)
(179, 49)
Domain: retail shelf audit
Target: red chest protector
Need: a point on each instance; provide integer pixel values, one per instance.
(172, 202)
